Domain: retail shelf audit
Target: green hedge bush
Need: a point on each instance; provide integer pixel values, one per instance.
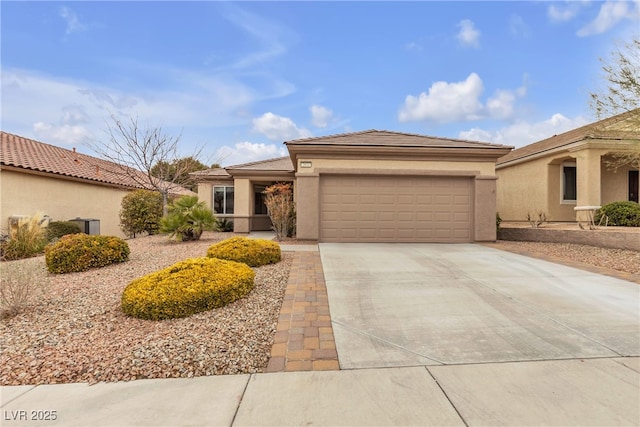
(57, 229)
(186, 288)
(81, 252)
(253, 252)
(624, 214)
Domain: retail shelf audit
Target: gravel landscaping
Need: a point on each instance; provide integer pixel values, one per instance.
(74, 331)
(616, 259)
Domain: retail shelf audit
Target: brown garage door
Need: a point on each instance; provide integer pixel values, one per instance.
(355, 208)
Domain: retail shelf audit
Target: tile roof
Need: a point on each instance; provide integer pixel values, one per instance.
(219, 172)
(25, 153)
(603, 129)
(283, 164)
(384, 138)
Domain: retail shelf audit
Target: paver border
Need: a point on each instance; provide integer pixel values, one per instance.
(304, 338)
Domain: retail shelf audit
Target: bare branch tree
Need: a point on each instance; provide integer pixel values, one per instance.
(135, 151)
(621, 92)
(621, 95)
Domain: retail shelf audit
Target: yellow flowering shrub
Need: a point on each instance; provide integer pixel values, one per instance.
(186, 288)
(81, 252)
(253, 252)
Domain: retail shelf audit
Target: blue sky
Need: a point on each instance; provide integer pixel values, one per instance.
(239, 78)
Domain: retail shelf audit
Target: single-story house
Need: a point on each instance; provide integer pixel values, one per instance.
(60, 183)
(570, 170)
(371, 186)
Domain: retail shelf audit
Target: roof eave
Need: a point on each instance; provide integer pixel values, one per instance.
(587, 142)
(254, 173)
(398, 153)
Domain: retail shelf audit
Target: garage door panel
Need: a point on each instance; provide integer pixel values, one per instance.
(386, 199)
(395, 208)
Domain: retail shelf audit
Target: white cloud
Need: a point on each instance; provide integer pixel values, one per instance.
(53, 109)
(611, 13)
(501, 105)
(71, 18)
(449, 102)
(468, 34)
(278, 128)
(320, 116)
(563, 14)
(245, 152)
(413, 46)
(63, 134)
(522, 132)
(268, 36)
(518, 27)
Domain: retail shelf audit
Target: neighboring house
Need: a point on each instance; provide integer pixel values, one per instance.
(60, 183)
(569, 170)
(371, 186)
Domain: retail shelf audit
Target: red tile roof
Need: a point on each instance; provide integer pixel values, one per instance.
(28, 154)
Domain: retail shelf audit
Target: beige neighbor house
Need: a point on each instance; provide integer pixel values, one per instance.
(371, 186)
(61, 183)
(569, 171)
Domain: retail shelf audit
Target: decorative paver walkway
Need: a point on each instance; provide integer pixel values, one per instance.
(304, 339)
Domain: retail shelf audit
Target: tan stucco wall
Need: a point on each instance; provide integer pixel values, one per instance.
(483, 168)
(485, 209)
(556, 209)
(25, 194)
(522, 189)
(615, 184)
(205, 193)
(536, 185)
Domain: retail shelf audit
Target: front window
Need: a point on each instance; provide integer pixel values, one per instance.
(569, 188)
(223, 200)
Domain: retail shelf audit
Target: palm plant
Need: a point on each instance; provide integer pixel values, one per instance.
(187, 219)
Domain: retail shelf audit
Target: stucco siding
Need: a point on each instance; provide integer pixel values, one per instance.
(25, 194)
(482, 168)
(615, 184)
(522, 189)
(205, 193)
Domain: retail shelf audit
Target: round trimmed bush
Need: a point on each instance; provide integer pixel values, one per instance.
(624, 214)
(81, 252)
(186, 288)
(253, 252)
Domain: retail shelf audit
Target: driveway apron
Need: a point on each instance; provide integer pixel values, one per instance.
(440, 304)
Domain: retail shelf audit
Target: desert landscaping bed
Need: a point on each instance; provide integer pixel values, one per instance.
(623, 260)
(74, 331)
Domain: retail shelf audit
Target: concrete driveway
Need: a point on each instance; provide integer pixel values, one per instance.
(436, 304)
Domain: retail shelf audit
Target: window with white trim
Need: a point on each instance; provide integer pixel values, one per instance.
(223, 200)
(569, 182)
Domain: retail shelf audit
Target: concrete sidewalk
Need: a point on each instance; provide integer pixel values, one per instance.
(567, 392)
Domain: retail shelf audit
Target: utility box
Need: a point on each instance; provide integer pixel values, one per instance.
(88, 225)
